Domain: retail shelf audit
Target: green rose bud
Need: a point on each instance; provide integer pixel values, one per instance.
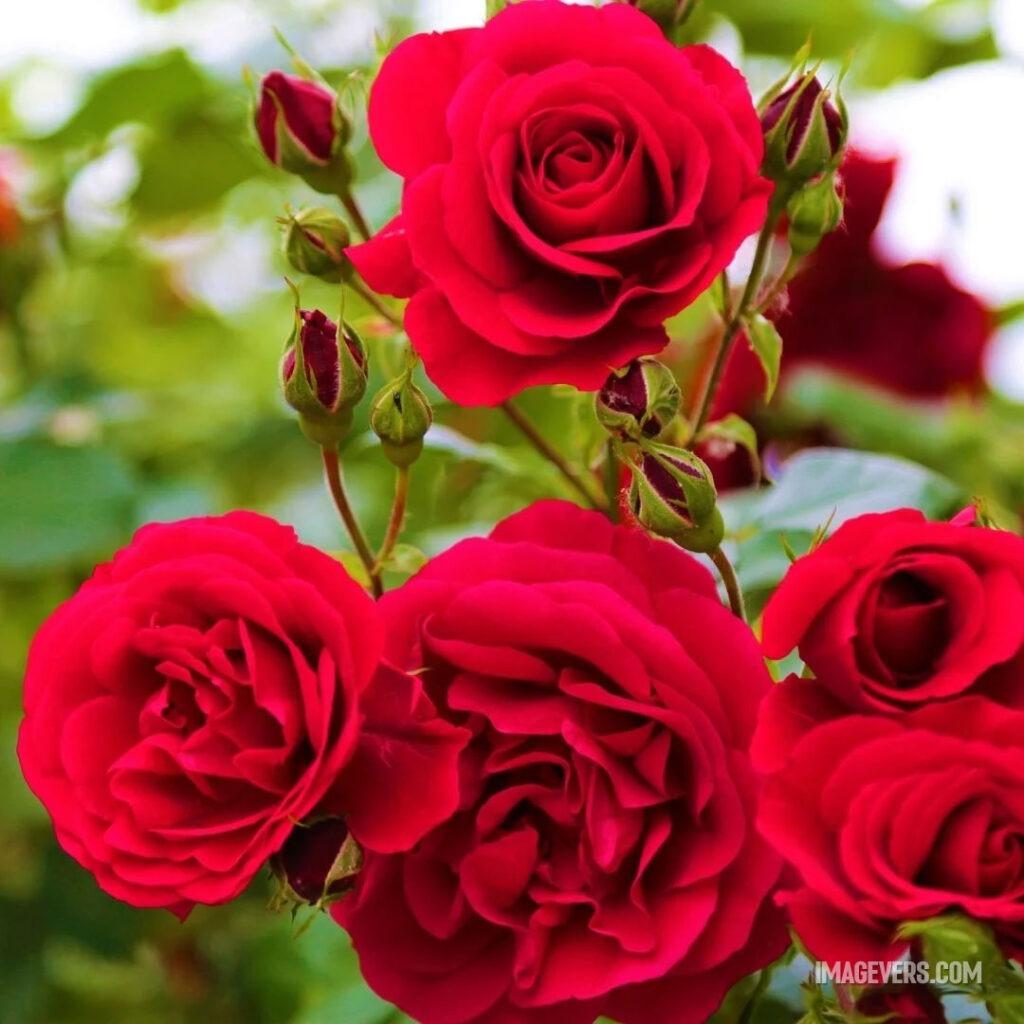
(640, 400)
(400, 416)
(322, 379)
(673, 495)
(804, 134)
(814, 212)
(315, 239)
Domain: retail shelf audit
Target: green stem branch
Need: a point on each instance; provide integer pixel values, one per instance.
(397, 517)
(375, 302)
(732, 583)
(332, 471)
(543, 446)
(355, 212)
(734, 325)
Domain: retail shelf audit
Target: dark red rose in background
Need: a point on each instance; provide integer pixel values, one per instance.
(200, 694)
(902, 1004)
(571, 180)
(10, 222)
(908, 329)
(603, 858)
(893, 611)
(893, 818)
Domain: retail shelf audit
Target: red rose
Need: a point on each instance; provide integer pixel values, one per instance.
(894, 610)
(893, 818)
(603, 859)
(201, 693)
(571, 180)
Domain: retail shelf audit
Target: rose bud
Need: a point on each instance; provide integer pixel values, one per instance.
(333, 378)
(640, 400)
(318, 862)
(314, 243)
(815, 211)
(804, 133)
(302, 130)
(672, 494)
(400, 417)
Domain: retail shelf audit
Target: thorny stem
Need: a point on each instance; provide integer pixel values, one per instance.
(332, 470)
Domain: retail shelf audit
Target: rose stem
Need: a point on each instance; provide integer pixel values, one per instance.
(735, 324)
(534, 436)
(332, 470)
(362, 225)
(394, 318)
(732, 584)
(397, 516)
(611, 480)
(787, 275)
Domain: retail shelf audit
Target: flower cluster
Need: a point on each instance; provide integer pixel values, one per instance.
(895, 765)
(547, 778)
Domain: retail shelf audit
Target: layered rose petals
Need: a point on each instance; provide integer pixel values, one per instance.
(201, 694)
(894, 818)
(894, 611)
(602, 859)
(572, 179)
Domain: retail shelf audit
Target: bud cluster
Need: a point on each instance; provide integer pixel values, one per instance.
(805, 133)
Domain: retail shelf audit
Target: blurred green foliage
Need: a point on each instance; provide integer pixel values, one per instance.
(141, 324)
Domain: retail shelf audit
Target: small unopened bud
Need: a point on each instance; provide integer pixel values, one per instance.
(323, 380)
(400, 416)
(640, 400)
(318, 862)
(314, 243)
(804, 133)
(302, 130)
(815, 211)
(673, 495)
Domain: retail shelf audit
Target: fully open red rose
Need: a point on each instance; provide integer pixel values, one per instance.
(603, 859)
(572, 179)
(201, 693)
(893, 818)
(893, 611)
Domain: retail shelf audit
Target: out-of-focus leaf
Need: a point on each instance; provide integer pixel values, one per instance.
(151, 91)
(190, 165)
(60, 505)
(406, 559)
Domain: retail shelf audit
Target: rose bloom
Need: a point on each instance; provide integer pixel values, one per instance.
(603, 859)
(893, 611)
(201, 694)
(572, 179)
(893, 818)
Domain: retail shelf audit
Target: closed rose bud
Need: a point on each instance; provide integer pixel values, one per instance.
(302, 130)
(314, 243)
(815, 211)
(640, 400)
(334, 379)
(318, 862)
(804, 133)
(672, 494)
(400, 416)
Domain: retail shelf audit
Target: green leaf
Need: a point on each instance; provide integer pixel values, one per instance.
(61, 506)
(151, 91)
(733, 430)
(405, 559)
(766, 526)
(766, 343)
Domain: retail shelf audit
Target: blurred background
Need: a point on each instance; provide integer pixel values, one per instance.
(143, 314)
